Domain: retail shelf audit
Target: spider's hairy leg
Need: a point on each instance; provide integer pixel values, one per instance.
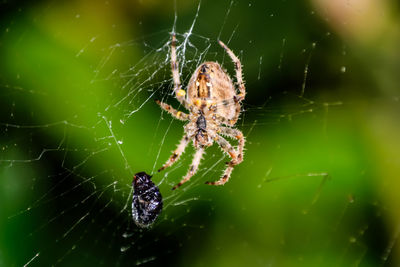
(175, 113)
(235, 133)
(193, 168)
(238, 69)
(177, 153)
(225, 177)
(179, 92)
(228, 148)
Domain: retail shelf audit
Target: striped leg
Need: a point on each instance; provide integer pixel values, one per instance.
(228, 148)
(177, 153)
(193, 168)
(179, 93)
(175, 113)
(235, 133)
(238, 69)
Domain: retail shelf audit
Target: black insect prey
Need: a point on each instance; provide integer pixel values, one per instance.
(147, 200)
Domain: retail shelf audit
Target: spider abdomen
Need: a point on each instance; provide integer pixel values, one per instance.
(210, 87)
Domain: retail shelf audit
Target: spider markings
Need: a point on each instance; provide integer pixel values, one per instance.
(147, 200)
(212, 101)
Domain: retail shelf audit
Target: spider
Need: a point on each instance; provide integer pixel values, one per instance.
(214, 108)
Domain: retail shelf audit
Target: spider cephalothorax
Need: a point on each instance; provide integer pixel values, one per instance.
(213, 102)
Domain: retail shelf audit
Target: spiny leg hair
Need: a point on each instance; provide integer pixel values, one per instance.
(193, 168)
(179, 93)
(237, 134)
(228, 148)
(177, 153)
(238, 69)
(175, 113)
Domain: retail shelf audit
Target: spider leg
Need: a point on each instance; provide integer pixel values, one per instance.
(235, 133)
(193, 168)
(175, 113)
(224, 178)
(177, 153)
(237, 157)
(179, 93)
(238, 69)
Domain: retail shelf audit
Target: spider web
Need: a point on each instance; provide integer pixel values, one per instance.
(79, 120)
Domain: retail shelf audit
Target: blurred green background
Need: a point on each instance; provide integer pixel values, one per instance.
(320, 178)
